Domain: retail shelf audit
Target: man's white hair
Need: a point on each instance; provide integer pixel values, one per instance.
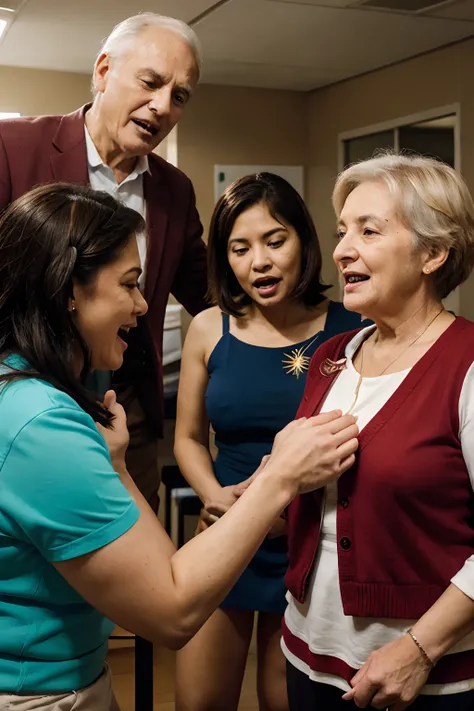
(126, 32)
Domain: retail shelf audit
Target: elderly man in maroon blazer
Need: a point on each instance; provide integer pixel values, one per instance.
(143, 78)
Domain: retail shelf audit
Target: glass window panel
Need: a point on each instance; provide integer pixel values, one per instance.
(429, 139)
(365, 146)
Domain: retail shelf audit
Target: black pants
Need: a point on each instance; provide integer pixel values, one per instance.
(307, 695)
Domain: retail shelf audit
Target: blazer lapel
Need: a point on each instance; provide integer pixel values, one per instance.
(157, 200)
(69, 162)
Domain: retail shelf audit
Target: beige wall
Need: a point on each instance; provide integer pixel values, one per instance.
(34, 92)
(233, 125)
(434, 80)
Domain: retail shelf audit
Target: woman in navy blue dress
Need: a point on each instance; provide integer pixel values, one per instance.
(243, 372)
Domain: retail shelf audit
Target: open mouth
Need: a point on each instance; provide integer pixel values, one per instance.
(123, 333)
(150, 128)
(355, 278)
(266, 283)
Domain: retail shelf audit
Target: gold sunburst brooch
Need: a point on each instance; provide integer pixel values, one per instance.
(296, 363)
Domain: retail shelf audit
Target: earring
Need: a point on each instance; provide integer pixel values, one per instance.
(426, 271)
(73, 306)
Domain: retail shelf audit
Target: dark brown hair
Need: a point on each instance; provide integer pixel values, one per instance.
(48, 237)
(284, 203)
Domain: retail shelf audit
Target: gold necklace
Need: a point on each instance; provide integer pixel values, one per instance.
(296, 363)
(359, 381)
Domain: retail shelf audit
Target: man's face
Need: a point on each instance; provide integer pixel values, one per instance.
(145, 89)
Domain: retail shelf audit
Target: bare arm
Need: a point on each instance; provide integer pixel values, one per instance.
(395, 674)
(448, 621)
(140, 581)
(191, 446)
(143, 584)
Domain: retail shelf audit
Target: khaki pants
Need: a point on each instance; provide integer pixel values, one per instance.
(96, 697)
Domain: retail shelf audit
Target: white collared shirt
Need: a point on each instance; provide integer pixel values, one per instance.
(129, 192)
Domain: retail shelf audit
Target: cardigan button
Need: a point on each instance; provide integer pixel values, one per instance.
(345, 543)
(344, 502)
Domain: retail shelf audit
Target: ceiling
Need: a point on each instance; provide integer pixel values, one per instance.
(281, 44)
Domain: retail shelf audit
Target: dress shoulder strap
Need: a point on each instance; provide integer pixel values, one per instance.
(225, 323)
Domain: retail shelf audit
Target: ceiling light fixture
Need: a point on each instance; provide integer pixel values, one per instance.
(3, 26)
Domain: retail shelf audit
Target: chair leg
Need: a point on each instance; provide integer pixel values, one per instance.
(143, 675)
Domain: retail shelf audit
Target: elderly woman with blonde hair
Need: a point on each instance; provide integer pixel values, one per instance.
(381, 576)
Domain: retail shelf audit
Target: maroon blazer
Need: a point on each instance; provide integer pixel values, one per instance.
(53, 148)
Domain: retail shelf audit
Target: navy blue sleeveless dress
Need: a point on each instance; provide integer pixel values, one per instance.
(249, 399)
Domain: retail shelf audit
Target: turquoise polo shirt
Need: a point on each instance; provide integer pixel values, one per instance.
(60, 498)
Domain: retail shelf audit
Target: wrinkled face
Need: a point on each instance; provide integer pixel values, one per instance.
(265, 256)
(145, 89)
(382, 273)
(106, 310)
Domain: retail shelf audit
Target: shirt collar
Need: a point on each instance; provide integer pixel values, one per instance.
(14, 361)
(95, 161)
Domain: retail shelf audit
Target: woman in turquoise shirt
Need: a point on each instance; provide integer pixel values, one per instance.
(78, 544)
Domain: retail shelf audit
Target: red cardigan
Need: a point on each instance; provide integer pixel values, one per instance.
(405, 509)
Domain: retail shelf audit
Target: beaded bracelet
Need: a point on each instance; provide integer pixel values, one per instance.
(422, 651)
